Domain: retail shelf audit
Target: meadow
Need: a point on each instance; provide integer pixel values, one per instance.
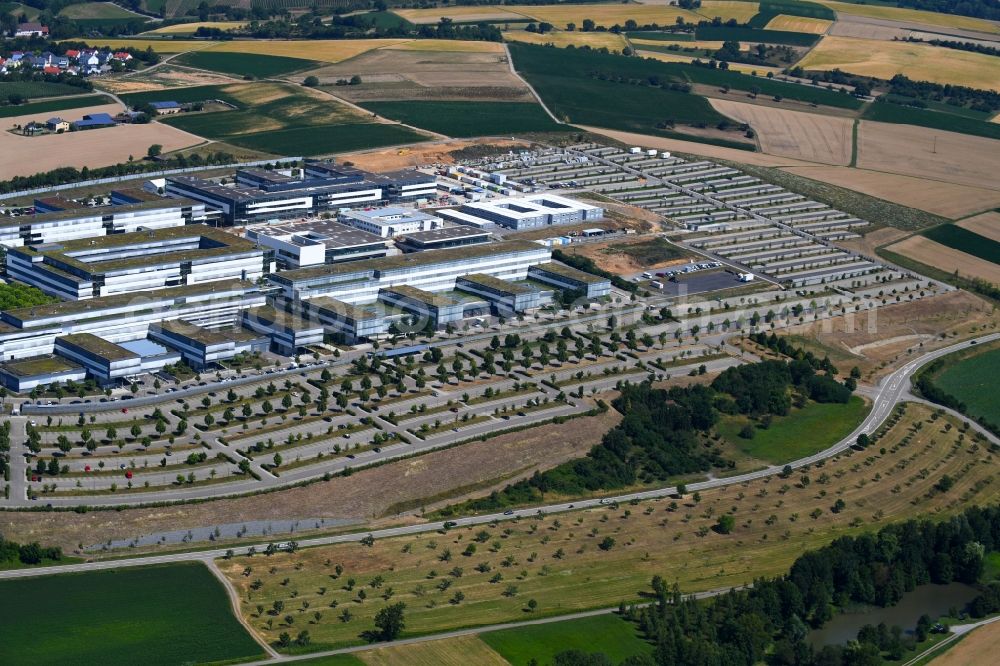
(157, 615)
(245, 64)
(966, 241)
(161, 46)
(593, 558)
(886, 112)
(34, 89)
(99, 11)
(51, 105)
(327, 139)
(972, 380)
(802, 433)
(461, 119)
(610, 634)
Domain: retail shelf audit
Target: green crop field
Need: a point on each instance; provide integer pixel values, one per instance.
(34, 89)
(609, 634)
(245, 64)
(803, 432)
(183, 95)
(40, 108)
(663, 36)
(152, 615)
(332, 660)
(462, 119)
(771, 8)
(973, 381)
(894, 113)
(743, 34)
(325, 139)
(966, 241)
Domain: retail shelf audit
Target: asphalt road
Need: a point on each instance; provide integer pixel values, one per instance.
(885, 396)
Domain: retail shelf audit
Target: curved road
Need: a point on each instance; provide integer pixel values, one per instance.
(890, 391)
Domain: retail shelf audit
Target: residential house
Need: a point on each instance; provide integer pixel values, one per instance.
(31, 30)
(57, 124)
(166, 108)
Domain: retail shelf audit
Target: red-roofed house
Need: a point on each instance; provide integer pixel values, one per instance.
(124, 56)
(72, 53)
(50, 69)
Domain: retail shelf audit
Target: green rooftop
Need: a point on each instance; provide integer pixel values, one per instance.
(568, 272)
(48, 364)
(497, 284)
(340, 307)
(206, 336)
(421, 296)
(99, 347)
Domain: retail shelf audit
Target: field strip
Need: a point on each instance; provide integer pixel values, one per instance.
(333, 50)
(912, 15)
(234, 601)
(987, 225)
(946, 259)
(812, 26)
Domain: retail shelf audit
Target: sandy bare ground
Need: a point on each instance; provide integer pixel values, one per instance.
(393, 74)
(987, 224)
(703, 149)
(164, 77)
(496, 461)
(933, 154)
(804, 136)
(439, 152)
(24, 156)
(979, 647)
(945, 199)
(946, 259)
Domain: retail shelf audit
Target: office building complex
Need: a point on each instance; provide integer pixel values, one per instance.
(314, 242)
(530, 212)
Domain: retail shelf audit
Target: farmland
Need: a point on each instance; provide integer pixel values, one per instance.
(978, 647)
(812, 26)
(468, 118)
(911, 15)
(921, 62)
(245, 64)
(447, 652)
(987, 224)
(896, 113)
(729, 9)
(34, 89)
(944, 259)
(971, 380)
(99, 11)
(608, 15)
(110, 617)
(557, 562)
(787, 37)
(161, 46)
(609, 634)
(191, 28)
(49, 106)
(317, 49)
(963, 240)
(802, 433)
(327, 139)
(561, 39)
(805, 136)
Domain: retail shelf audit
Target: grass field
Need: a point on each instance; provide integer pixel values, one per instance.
(966, 241)
(556, 559)
(459, 651)
(649, 253)
(812, 26)
(167, 614)
(920, 62)
(49, 106)
(755, 35)
(904, 115)
(973, 380)
(803, 432)
(913, 15)
(191, 28)
(562, 39)
(243, 64)
(609, 634)
(460, 119)
(35, 89)
(729, 9)
(327, 139)
(99, 10)
(161, 46)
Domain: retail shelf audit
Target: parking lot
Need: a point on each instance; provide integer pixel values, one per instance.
(699, 283)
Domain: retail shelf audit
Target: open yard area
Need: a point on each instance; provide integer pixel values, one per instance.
(480, 575)
(946, 259)
(464, 119)
(404, 485)
(805, 136)
(921, 62)
(802, 433)
(167, 614)
(92, 148)
(940, 198)
(932, 154)
(412, 75)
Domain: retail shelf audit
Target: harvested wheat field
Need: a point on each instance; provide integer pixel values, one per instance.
(987, 224)
(163, 77)
(796, 134)
(470, 14)
(694, 44)
(161, 46)
(946, 259)
(608, 14)
(326, 50)
(868, 243)
(933, 154)
(729, 9)
(447, 45)
(912, 16)
(921, 62)
(812, 26)
(458, 651)
(862, 28)
(392, 74)
(978, 647)
(91, 148)
(594, 40)
(944, 199)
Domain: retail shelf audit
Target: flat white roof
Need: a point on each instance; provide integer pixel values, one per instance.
(465, 218)
(378, 216)
(530, 206)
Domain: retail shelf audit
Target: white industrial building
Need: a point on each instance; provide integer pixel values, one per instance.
(315, 241)
(530, 212)
(392, 221)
